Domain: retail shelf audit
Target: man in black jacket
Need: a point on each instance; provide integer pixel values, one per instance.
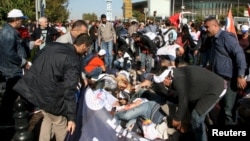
(197, 89)
(145, 49)
(51, 83)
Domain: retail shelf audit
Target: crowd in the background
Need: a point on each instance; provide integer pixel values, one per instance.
(196, 74)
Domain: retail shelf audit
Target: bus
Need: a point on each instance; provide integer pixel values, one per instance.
(238, 21)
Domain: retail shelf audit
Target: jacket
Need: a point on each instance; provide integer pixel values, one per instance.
(227, 57)
(66, 38)
(106, 32)
(52, 80)
(51, 34)
(195, 86)
(12, 52)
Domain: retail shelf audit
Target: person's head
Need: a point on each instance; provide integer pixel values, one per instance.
(43, 22)
(82, 43)
(165, 77)
(103, 18)
(15, 18)
(120, 53)
(212, 26)
(101, 53)
(79, 27)
(136, 37)
(123, 81)
(244, 29)
(167, 22)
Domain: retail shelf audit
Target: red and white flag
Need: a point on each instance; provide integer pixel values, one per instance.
(230, 23)
(175, 19)
(248, 9)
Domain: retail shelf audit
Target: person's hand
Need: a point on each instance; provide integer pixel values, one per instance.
(28, 65)
(176, 124)
(85, 81)
(38, 42)
(242, 82)
(71, 127)
(138, 58)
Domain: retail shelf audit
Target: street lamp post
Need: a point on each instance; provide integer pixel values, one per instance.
(145, 12)
(238, 9)
(192, 10)
(173, 5)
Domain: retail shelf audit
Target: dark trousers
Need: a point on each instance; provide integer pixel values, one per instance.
(9, 97)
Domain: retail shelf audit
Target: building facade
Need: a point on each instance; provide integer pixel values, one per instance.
(201, 7)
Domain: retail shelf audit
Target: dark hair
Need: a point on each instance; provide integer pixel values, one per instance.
(135, 35)
(79, 23)
(210, 19)
(83, 38)
(168, 22)
(103, 16)
(11, 20)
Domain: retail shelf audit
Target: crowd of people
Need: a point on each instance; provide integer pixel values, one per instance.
(195, 74)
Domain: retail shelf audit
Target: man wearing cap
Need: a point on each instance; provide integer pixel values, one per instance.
(244, 41)
(12, 61)
(194, 87)
(106, 38)
(96, 65)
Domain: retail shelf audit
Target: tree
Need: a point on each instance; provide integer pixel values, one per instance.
(138, 15)
(56, 10)
(89, 16)
(199, 18)
(239, 13)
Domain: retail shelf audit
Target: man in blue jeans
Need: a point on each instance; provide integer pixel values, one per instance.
(106, 38)
(227, 59)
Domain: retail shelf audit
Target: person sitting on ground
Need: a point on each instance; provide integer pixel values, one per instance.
(123, 61)
(96, 65)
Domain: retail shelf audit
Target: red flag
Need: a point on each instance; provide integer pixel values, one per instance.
(175, 19)
(230, 23)
(248, 9)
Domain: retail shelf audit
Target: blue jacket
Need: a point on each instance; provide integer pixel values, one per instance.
(227, 57)
(12, 52)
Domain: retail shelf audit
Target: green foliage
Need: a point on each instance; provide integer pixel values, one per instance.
(239, 13)
(139, 16)
(89, 16)
(199, 18)
(56, 10)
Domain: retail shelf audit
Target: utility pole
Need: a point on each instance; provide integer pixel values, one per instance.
(145, 13)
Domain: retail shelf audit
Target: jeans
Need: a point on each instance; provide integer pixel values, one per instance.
(95, 73)
(144, 110)
(205, 58)
(197, 121)
(94, 47)
(199, 126)
(146, 62)
(120, 65)
(229, 103)
(108, 46)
